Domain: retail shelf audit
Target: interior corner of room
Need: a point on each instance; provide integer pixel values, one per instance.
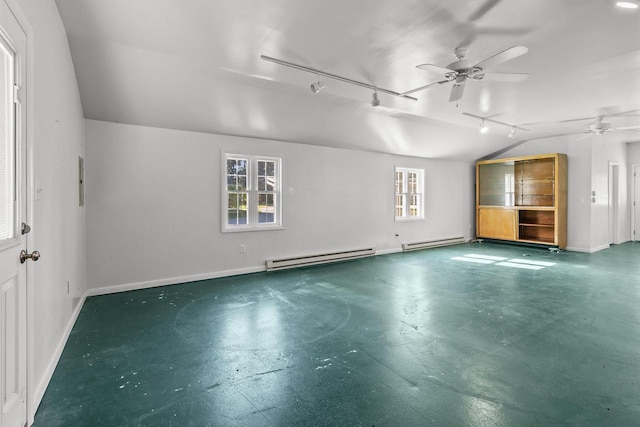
(150, 145)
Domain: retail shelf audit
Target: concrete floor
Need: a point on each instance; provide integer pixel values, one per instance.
(444, 337)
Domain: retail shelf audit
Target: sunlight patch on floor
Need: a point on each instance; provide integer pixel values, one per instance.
(526, 264)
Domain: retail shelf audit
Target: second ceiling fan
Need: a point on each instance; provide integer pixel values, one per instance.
(463, 68)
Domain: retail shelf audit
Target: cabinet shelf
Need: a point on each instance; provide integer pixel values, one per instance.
(522, 199)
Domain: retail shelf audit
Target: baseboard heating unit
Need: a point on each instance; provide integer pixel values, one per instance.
(406, 247)
(281, 264)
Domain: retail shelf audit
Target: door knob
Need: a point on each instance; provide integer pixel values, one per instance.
(24, 256)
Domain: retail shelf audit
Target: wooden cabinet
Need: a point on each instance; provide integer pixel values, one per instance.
(523, 199)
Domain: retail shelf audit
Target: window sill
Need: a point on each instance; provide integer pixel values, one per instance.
(249, 229)
(414, 219)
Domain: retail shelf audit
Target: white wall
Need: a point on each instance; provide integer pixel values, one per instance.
(55, 132)
(153, 204)
(588, 170)
(633, 153)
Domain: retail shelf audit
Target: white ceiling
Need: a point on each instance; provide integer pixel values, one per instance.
(195, 65)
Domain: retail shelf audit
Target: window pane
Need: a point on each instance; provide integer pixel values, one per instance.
(413, 182)
(232, 217)
(399, 182)
(231, 183)
(231, 166)
(242, 201)
(266, 175)
(266, 208)
(400, 205)
(242, 183)
(242, 217)
(241, 168)
(271, 169)
(233, 201)
(414, 205)
(7, 147)
(270, 183)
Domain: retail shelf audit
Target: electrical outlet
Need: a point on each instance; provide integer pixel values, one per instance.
(243, 248)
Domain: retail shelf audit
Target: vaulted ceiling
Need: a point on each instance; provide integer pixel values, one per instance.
(195, 65)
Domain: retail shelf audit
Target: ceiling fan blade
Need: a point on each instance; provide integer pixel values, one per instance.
(581, 119)
(506, 77)
(504, 56)
(630, 113)
(490, 4)
(456, 92)
(436, 69)
(418, 89)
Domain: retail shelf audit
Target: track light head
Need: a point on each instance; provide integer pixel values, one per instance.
(483, 127)
(317, 87)
(512, 134)
(375, 101)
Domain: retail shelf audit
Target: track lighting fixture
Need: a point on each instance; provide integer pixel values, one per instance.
(484, 128)
(317, 87)
(375, 101)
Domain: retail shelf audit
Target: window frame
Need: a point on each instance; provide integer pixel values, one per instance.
(407, 195)
(253, 194)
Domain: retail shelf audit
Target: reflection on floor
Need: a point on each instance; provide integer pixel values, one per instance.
(527, 264)
(421, 338)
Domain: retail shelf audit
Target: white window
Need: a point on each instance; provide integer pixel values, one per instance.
(251, 193)
(409, 186)
(7, 146)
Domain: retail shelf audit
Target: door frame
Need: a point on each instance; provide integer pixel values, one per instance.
(27, 97)
(635, 169)
(614, 202)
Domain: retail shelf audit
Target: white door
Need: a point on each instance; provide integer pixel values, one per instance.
(636, 203)
(13, 213)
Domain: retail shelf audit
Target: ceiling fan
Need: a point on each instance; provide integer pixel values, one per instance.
(599, 127)
(463, 68)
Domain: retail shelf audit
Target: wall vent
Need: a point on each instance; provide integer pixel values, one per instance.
(283, 263)
(431, 244)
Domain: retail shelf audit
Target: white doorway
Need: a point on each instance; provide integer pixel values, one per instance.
(635, 203)
(13, 216)
(614, 203)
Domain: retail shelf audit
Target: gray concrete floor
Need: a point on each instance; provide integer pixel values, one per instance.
(471, 335)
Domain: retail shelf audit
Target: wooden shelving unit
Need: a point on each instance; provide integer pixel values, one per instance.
(523, 199)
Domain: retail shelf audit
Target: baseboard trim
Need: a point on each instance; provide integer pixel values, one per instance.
(105, 290)
(38, 394)
(587, 250)
(388, 251)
